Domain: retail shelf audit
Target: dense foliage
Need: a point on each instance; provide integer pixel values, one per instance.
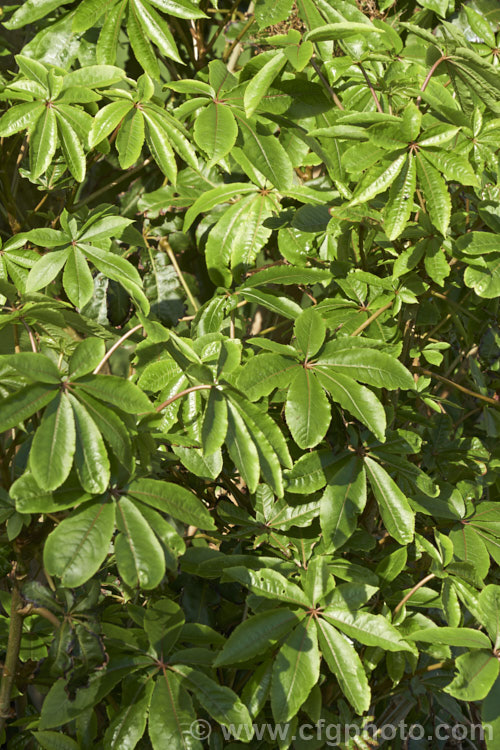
(249, 372)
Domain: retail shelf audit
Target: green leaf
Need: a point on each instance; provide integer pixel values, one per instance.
(85, 358)
(43, 142)
(307, 410)
(53, 446)
(163, 623)
(23, 403)
(211, 198)
(214, 425)
(288, 275)
(345, 664)
(129, 723)
(490, 715)
(72, 149)
(215, 131)
(372, 630)
(170, 714)
(476, 673)
(179, 8)
(76, 548)
(46, 269)
(437, 197)
(397, 515)
(107, 119)
(31, 11)
(91, 458)
(341, 503)
(461, 637)
(77, 279)
(20, 117)
(130, 138)
(139, 555)
(266, 153)
(170, 498)
(341, 30)
(159, 146)
(265, 372)
(269, 583)
(34, 366)
(310, 332)
(255, 636)
(369, 366)
(295, 671)
(141, 46)
(261, 82)
(489, 603)
(400, 202)
(55, 741)
(356, 399)
(242, 449)
(379, 180)
(157, 29)
(219, 701)
(117, 391)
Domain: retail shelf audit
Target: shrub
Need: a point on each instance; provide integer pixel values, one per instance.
(249, 372)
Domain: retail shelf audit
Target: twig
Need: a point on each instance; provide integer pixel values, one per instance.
(372, 317)
(428, 78)
(115, 347)
(29, 609)
(459, 387)
(183, 393)
(410, 593)
(12, 655)
(327, 85)
(231, 55)
(30, 334)
(165, 246)
(370, 86)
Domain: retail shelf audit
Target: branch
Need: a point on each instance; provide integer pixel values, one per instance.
(115, 347)
(183, 393)
(372, 317)
(13, 646)
(370, 86)
(165, 246)
(428, 78)
(459, 387)
(410, 593)
(327, 85)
